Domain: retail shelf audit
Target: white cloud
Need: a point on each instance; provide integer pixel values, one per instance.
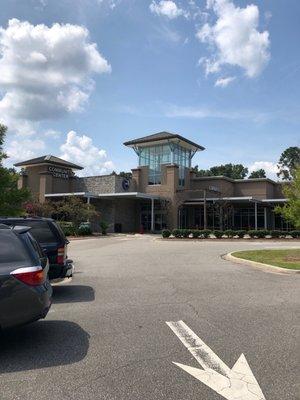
(45, 72)
(164, 32)
(223, 82)
(174, 111)
(234, 39)
(200, 112)
(270, 168)
(23, 149)
(167, 8)
(82, 151)
(20, 148)
(52, 133)
(268, 16)
(110, 3)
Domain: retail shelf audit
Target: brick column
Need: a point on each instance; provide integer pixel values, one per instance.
(136, 178)
(172, 178)
(45, 185)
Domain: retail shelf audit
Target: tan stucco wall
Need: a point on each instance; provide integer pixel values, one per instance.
(226, 187)
(40, 182)
(258, 190)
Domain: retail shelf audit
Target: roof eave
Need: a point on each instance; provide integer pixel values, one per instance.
(137, 142)
(25, 164)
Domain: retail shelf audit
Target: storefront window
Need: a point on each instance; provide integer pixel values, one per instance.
(160, 216)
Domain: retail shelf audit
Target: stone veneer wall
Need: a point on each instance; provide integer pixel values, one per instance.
(97, 184)
(102, 184)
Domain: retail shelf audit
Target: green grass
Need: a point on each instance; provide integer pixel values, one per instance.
(280, 258)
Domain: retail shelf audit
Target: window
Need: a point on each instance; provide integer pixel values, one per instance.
(154, 156)
(160, 216)
(12, 250)
(40, 230)
(36, 246)
(182, 158)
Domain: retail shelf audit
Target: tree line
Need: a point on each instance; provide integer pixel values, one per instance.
(287, 163)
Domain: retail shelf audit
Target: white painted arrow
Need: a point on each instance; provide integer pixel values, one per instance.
(237, 383)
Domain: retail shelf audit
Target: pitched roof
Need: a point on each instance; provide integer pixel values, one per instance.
(48, 160)
(160, 136)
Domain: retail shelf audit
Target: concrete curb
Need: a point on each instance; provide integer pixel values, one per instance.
(235, 240)
(75, 238)
(266, 267)
(111, 235)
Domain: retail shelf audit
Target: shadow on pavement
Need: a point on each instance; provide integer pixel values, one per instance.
(73, 294)
(42, 344)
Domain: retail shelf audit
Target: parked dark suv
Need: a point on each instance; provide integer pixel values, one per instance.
(52, 240)
(25, 291)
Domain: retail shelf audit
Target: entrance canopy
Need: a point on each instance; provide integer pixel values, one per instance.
(126, 195)
(113, 196)
(247, 199)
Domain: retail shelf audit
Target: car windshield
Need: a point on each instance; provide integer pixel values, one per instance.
(40, 230)
(12, 249)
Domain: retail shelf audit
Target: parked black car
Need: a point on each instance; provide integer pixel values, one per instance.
(52, 240)
(25, 291)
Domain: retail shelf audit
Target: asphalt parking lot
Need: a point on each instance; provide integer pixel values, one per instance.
(106, 335)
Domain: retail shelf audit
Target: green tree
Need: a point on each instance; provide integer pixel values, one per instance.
(259, 173)
(288, 162)
(73, 209)
(291, 210)
(3, 130)
(233, 171)
(11, 198)
(201, 172)
(126, 175)
(34, 208)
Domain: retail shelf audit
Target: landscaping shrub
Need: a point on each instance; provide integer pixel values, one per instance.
(84, 230)
(218, 234)
(196, 233)
(262, 234)
(252, 233)
(275, 234)
(205, 233)
(295, 234)
(255, 233)
(229, 233)
(234, 233)
(166, 233)
(104, 226)
(185, 233)
(67, 228)
(241, 233)
(176, 233)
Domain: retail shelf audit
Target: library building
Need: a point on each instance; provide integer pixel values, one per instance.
(163, 191)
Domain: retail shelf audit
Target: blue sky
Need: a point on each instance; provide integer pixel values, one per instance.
(224, 74)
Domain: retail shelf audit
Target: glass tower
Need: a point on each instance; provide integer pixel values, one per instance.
(155, 156)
